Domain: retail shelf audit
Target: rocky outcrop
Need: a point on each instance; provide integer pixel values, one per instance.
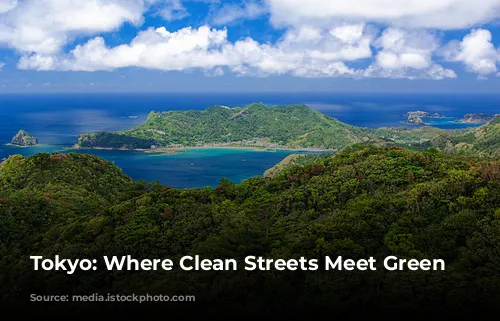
(415, 117)
(22, 138)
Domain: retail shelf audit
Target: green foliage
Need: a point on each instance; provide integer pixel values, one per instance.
(294, 125)
(286, 126)
(114, 140)
(364, 201)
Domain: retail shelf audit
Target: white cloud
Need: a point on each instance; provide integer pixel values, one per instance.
(306, 52)
(45, 26)
(322, 38)
(438, 72)
(152, 48)
(216, 72)
(173, 10)
(348, 33)
(407, 54)
(1, 65)
(232, 12)
(475, 51)
(440, 14)
(7, 5)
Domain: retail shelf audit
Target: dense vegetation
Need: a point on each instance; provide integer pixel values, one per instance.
(480, 140)
(285, 126)
(365, 201)
(294, 125)
(115, 141)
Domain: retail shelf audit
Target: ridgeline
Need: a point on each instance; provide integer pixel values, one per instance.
(293, 126)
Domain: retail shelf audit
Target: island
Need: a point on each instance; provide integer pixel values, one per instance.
(291, 127)
(475, 119)
(416, 117)
(23, 139)
(295, 127)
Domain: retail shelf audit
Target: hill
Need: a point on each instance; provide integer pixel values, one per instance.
(289, 162)
(256, 124)
(364, 201)
(483, 140)
(293, 126)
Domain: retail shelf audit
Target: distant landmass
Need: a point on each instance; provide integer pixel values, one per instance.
(294, 126)
(285, 127)
(22, 138)
(476, 119)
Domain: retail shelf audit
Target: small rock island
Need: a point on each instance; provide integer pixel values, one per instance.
(24, 139)
(415, 117)
(475, 119)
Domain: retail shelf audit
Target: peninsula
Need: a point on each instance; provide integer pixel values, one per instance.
(23, 139)
(279, 127)
(292, 127)
(475, 119)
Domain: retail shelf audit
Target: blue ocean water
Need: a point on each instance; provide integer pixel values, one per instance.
(57, 119)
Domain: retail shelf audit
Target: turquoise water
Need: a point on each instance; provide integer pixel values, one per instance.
(192, 168)
(447, 123)
(57, 119)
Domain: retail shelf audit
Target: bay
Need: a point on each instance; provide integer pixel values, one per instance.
(57, 119)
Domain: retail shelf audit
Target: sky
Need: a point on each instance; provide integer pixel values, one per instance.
(450, 46)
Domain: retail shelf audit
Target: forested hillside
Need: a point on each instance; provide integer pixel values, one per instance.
(365, 201)
(293, 126)
(483, 140)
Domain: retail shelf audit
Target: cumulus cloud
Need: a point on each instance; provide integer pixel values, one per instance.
(475, 51)
(321, 38)
(306, 52)
(442, 14)
(152, 48)
(407, 54)
(45, 26)
(232, 12)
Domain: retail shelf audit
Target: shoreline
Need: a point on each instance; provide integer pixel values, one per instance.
(22, 146)
(177, 150)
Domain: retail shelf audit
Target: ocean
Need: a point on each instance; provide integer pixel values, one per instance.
(57, 119)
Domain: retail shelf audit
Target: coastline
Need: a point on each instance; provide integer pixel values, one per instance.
(177, 150)
(21, 146)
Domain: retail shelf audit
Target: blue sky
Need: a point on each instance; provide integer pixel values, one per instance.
(251, 45)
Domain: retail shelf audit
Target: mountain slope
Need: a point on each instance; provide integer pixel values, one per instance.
(296, 126)
(364, 201)
(292, 126)
(483, 140)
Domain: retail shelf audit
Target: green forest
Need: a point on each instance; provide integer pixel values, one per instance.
(363, 201)
(291, 126)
